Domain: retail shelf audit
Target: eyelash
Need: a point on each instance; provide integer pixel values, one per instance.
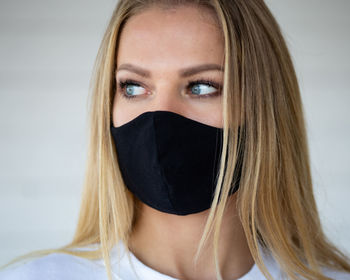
(123, 83)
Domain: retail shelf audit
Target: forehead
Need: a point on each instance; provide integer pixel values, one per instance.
(185, 34)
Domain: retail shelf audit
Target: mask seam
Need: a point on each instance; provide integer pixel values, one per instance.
(161, 168)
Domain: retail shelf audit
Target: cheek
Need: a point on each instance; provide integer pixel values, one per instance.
(216, 118)
(209, 113)
(126, 110)
(119, 112)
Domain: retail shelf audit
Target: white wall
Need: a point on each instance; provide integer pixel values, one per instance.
(47, 49)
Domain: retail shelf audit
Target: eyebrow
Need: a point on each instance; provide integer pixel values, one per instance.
(185, 72)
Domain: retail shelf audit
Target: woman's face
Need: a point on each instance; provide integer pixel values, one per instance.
(170, 60)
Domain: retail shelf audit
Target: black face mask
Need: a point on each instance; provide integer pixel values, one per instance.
(170, 162)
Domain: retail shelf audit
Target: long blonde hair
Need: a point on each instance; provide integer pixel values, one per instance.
(275, 200)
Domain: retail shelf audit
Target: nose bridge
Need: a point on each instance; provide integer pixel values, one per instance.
(168, 98)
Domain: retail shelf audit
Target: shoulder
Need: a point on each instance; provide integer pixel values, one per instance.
(278, 274)
(54, 266)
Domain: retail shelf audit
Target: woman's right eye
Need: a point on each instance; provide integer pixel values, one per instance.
(130, 89)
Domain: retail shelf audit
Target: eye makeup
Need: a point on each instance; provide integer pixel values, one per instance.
(124, 83)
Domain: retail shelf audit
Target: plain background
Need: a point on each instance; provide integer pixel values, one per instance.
(47, 50)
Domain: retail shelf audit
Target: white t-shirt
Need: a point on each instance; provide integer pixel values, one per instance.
(58, 266)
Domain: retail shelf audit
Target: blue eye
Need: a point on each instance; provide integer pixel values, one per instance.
(203, 89)
(131, 89)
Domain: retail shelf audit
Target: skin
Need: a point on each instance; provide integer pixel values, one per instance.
(187, 36)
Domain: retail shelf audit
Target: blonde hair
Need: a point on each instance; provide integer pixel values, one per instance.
(275, 200)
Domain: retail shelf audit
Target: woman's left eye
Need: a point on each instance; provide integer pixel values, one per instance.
(204, 88)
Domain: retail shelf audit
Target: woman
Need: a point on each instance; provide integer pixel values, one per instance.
(198, 164)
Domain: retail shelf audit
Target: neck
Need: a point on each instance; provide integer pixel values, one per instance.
(168, 244)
